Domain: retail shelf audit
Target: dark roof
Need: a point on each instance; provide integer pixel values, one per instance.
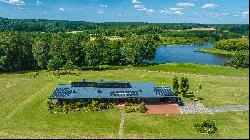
(110, 89)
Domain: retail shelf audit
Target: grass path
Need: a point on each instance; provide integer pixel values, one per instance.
(121, 123)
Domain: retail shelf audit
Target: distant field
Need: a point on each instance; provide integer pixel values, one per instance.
(110, 38)
(202, 29)
(74, 32)
(24, 112)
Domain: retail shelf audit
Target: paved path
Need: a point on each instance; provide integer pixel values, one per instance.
(121, 123)
(228, 108)
(189, 74)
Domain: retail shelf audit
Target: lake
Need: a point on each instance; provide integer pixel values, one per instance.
(186, 54)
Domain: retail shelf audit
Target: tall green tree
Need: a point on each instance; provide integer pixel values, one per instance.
(92, 56)
(113, 54)
(15, 52)
(41, 50)
(184, 86)
(55, 63)
(176, 85)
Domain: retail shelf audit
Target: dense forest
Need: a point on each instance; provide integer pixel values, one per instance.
(53, 44)
(22, 50)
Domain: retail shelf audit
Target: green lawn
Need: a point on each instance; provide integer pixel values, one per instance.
(230, 125)
(24, 112)
(214, 70)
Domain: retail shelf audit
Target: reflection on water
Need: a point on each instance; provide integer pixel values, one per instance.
(186, 54)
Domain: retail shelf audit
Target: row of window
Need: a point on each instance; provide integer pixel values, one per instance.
(101, 85)
(123, 94)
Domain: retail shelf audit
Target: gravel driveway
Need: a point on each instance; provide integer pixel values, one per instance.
(199, 108)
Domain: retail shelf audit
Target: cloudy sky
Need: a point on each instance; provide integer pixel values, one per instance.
(165, 11)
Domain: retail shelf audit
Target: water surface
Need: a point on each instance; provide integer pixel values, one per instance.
(186, 54)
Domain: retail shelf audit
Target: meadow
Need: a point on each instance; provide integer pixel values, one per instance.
(24, 112)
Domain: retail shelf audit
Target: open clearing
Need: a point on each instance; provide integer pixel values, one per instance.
(24, 112)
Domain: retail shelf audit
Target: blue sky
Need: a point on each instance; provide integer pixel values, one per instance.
(155, 11)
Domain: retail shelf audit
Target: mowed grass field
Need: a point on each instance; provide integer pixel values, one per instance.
(24, 112)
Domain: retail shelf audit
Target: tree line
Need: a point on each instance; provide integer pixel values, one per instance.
(121, 29)
(23, 50)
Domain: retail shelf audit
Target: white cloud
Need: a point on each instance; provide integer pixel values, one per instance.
(14, 2)
(171, 11)
(119, 15)
(103, 6)
(38, 2)
(245, 13)
(61, 9)
(209, 5)
(183, 4)
(135, 2)
(150, 11)
(141, 7)
(195, 13)
(175, 9)
(100, 12)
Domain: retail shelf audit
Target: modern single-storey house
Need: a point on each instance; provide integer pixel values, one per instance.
(117, 91)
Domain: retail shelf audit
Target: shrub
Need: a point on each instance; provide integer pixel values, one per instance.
(200, 98)
(50, 104)
(239, 59)
(142, 108)
(128, 109)
(206, 127)
(66, 108)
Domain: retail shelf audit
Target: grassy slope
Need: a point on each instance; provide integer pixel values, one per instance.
(24, 114)
(214, 70)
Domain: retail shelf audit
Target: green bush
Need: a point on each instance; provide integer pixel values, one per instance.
(65, 107)
(239, 60)
(206, 127)
(128, 110)
(200, 98)
(142, 108)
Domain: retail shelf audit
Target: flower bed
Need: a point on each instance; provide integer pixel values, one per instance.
(130, 107)
(65, 108)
